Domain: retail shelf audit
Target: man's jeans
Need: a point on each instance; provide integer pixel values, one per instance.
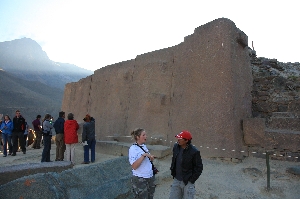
(181, 191)
(91, 145)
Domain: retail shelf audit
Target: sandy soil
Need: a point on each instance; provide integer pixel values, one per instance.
(220, 179)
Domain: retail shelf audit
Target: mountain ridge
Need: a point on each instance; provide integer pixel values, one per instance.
(30, 81)
(25, 59)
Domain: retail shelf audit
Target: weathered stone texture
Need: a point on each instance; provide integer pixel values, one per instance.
(10, 173)
(202, 84)
(254, 131)
(77, 98)
(276, 99)
(282, 140)
(95, 181)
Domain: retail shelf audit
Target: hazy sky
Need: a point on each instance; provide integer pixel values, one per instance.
(94, 33)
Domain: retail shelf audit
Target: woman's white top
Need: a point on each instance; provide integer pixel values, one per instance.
(145, 169)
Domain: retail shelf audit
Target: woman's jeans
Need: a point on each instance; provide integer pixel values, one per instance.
(6, 139)
(47, 148)
(91, 145)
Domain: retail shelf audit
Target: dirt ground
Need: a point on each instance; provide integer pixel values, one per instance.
(220, 179)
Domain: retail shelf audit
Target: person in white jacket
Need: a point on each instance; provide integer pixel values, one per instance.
(47, 135)
(140, 160)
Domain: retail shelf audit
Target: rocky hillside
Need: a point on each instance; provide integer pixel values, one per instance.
(30, 97)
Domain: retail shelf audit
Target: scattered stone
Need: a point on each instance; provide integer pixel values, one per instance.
(253, 172)
(294, 170)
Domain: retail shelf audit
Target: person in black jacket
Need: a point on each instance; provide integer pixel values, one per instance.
(88, 137)
(18, 133)
(59, 137)
(186, 167)
(37, 127)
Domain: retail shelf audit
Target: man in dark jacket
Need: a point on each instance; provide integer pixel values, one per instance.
(59, 138)
(38, 132)
(88, 136)
(186, 167)
(18, 133)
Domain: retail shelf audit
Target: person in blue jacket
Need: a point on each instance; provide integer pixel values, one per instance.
(6, 128)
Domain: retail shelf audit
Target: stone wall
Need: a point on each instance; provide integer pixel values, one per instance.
(275, 106)
(202, 84)
(276, 87)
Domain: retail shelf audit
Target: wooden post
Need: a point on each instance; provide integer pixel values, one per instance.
(268, 170)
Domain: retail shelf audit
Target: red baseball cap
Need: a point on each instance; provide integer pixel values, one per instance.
(185, 135)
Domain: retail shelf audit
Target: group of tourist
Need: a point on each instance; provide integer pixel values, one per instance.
(15, 132)
(186, 167)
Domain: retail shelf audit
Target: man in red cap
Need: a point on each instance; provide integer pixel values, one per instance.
(186, 167)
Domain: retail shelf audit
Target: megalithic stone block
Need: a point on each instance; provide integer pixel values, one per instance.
(202, 85)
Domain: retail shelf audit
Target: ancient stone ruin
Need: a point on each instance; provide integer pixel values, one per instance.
(203, 85)
(275, 125)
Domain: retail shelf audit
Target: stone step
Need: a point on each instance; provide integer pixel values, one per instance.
(118, 138)
(282, 139)
(284, 123)
(283, 131)
(275, 154)
(283, 115)
(121, 148)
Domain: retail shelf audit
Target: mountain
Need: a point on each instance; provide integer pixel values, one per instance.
(25, 59)
(30, 97)
(30, 81)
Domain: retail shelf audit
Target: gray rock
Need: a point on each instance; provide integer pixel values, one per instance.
(107, 180)
(253, 172)
(294, 170)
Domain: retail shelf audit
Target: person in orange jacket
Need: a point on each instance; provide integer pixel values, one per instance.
(70, 137)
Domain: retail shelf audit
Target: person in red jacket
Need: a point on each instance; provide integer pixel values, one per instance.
(71, 137)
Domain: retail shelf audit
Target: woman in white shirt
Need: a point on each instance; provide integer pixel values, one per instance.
(139, 157)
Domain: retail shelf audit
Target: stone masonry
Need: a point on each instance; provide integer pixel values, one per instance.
(202, 85)
(276, 108)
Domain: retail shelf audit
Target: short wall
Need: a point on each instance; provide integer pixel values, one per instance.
(256, 134)
(107, 180)
(10, 173)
